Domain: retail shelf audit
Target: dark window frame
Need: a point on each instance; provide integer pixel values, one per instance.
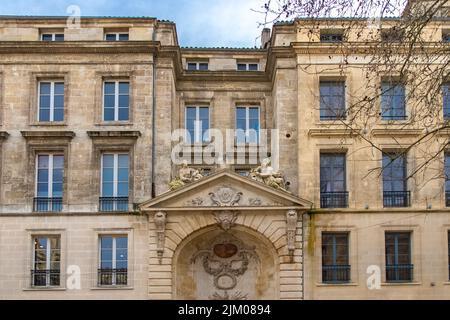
(331, 87)
(336, 272)
(397, 272)
(389, 96)
(330, 197)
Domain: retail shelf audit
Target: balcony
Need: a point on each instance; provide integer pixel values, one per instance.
(45, 278)
(335, 274)
(397, 199)
(113, 204)
(47, 204)
(112, 277)
(447, 199)
(334, 200)
(399, 273)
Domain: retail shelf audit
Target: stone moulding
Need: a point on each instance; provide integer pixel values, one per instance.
(396, 132)
(79, 47)
(114, 134)
(36, 135)
(3, 135)
(332, 133)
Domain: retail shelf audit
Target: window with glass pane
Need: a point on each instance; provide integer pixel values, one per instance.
(116, 101)
(335, 257)
(446, 100)
(49, 182)
(446, 37)
(197, 124)
(393, 101)
(398, 257)
(51, 101)
(113, 269)
(447, 179)
(332, 100)
(333, 188)
(196, 66)
(247, 125)
(115, 182)
(52, 37)
(247, 67)
(117, 37)
(331, 37)
(46, 261)
(395, 192)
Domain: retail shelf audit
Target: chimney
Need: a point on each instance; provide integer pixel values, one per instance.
(265, 38)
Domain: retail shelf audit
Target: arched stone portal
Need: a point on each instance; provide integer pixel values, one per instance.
(212, 264)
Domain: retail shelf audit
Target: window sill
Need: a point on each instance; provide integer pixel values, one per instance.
(107, 288)
(45, 289)
(114, 124)
(48, 124)
(395, 122)
(350, 284)
(399, 284)
(447, 283)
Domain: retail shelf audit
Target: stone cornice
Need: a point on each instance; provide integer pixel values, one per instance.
(366, 48)
(34, 135)
(332, 133)
(114, 134)
(3, 135)
(396, 132)
(36, 47)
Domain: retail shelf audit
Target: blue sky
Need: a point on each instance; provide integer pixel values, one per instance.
(199, 22)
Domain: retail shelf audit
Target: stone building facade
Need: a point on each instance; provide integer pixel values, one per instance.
(87, 113)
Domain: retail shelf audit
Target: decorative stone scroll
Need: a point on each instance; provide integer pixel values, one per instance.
(160, 219)
(225, 197)
(291, 229)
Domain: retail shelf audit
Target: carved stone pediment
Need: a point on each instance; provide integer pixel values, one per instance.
(225, 189)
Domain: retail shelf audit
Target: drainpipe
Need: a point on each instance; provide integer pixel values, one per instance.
(153, 186)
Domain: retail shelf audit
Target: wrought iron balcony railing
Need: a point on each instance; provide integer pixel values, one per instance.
(396, 199)
(334, 200)
(45, 278)
(113, 204)
(112, 277)
(47, 204)
(399, 273)
(336, 274)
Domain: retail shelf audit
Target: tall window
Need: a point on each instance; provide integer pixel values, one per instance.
(447, 179)
(395, 192)
(332, 100)
(197, 124)
(335, 257)
(446, 37)
(52, 37)
(115, 180)
(333, 188)
(46, 261)
(121, 36)
(49, 182)
(116, 101)
(247, 125)
(398, 257)
(446, 100)
(197, 66)
(113, 266)
(51, 101)
(393, 103)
